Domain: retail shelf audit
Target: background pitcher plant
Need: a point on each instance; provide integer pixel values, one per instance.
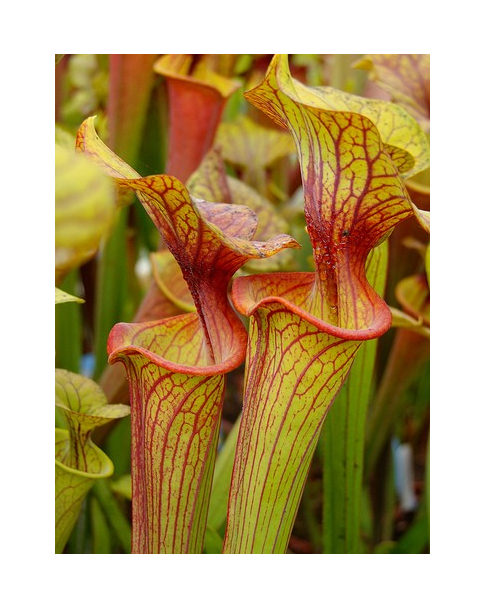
(250, 334)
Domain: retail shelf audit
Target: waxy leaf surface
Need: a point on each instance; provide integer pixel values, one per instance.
(176, 366)
(406, 78)
(79, 462)
(354, 194)
(305, 328)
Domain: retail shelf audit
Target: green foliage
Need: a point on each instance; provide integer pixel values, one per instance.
(115, 263)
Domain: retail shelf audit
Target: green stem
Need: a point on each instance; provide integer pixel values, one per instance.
(388, 405)
(68, 328)
(114, 513)
(344, 435)
(339, 71)
(312, 524)
(100, 529)
(223, 469)
(112, 290)
(383, 498)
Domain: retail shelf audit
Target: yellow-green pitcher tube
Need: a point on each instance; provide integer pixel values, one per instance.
(305, 328)
(79, 462)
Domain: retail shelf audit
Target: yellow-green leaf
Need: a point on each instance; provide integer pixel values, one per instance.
(62, 296)
(401, 319)
(89, 143)
(406, 78)
(85, 209)
(293, 372)
(168, 276)
(414, 296)
(403, 137)
(210, 182)
(79, 462)
(245, 143)
(85, 408)
(253, 149)
(353, 192)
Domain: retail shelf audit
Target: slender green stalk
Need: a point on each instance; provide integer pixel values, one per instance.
(383, 499)
(114, 514)
(100, 529)
(111, 289)
(388, 404)
(68, 328)
(222, 480)
(311, 521)
(343, 438)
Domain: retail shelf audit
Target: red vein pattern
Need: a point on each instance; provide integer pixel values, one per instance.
(353, 194)
(176, 366)
(406, 78)
(209, 242)
(79, 462)
(305, 328)
(294, 371)
(176, 402)
(175, 432)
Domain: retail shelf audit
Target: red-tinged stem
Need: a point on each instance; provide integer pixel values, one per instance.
(131, 80)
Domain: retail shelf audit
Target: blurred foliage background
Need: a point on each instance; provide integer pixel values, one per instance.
(111, 270)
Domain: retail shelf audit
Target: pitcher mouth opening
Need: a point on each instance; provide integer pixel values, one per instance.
(161, 343)
(105, 465)
(249, 295)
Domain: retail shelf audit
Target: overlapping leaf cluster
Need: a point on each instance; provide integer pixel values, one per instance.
(332, 170)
